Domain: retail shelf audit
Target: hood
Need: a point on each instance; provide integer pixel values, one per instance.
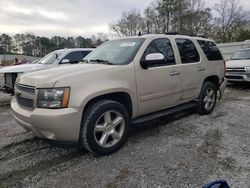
(238, 63)
(48, 77)
(23, 68)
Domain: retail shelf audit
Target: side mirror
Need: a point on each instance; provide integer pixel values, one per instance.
(217, 184)
(152, 59)
(65, 61)
(56, 55)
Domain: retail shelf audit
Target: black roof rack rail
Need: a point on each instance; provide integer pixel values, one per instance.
(192, 35)
(172, 33)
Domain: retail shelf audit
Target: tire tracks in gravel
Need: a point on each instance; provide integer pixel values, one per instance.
(15, 177)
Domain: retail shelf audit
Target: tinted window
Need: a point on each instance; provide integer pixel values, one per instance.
(85, 53)
(164, 47)
(210, 50)
(74, 57)
(188, 51)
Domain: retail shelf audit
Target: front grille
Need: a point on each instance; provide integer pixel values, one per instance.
(236, 69)
(25, 95)
(235, 77)
(27, 89)
(10, 79)
(25, 102)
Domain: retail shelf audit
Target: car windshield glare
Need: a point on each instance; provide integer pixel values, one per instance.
(115, 52)
(241, 55)
(51, 57)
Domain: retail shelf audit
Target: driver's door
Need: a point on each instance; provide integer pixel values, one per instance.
(158, 86)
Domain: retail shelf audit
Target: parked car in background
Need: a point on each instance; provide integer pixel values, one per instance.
(238, 67)
(34, 62)
(55, 58)
(123, 82)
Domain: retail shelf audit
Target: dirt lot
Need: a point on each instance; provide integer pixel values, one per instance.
(183, 151)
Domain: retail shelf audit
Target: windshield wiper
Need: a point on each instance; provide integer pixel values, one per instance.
(101, 61)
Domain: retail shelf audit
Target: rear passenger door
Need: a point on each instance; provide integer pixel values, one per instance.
(191, 74)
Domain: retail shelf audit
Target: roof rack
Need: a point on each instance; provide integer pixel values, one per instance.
(172, 33)
(192, 35)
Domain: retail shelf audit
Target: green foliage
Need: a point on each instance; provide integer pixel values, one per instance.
(29, 44)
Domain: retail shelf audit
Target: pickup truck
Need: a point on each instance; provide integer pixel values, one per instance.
(55, 58)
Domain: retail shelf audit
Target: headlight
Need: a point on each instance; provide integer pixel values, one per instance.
(53, 98)
(248, 69)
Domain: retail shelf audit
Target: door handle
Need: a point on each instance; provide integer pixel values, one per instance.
(174, 73)
(201, 69)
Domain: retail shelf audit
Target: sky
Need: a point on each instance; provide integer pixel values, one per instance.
(67, 17)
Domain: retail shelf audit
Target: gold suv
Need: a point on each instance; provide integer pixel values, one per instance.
(123, 82)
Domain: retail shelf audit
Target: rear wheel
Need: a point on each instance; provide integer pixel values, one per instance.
(207, 98)
(104, 127)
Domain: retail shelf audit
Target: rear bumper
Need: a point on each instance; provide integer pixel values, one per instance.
(221, 89)
(60, 124)
(223, 85)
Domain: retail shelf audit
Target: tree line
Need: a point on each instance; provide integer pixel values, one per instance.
(226, 21)
(32, 45)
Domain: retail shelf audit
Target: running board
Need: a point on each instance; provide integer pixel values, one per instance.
(163, 113)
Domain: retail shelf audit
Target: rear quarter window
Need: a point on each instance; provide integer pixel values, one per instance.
(210, 50)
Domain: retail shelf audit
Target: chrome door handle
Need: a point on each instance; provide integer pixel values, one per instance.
(174, 73)
(201, 69)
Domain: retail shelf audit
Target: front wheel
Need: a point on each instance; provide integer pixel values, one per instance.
(104, 127)
(207, 99)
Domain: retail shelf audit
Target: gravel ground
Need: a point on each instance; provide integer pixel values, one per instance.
(187, 150)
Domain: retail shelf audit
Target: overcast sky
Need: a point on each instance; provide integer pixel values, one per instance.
(66, 17)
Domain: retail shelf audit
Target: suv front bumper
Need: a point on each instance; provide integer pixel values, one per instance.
(238, 77)
(52, 124)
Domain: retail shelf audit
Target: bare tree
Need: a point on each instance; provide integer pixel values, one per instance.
(231, 16)
(131, 23)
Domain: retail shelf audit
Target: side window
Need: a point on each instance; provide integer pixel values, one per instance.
(210, 50)
(164, 47)
(74, 57)
(188, 51)
(85, 53)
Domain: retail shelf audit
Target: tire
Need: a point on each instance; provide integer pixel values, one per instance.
(207, 99)
(104, 127)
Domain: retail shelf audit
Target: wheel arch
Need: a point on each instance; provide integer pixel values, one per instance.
(214, 79)
(120, 96)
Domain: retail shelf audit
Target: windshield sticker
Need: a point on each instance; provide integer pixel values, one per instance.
(127, 44)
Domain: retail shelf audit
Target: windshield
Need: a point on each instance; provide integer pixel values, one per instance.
(51, 57)
(116, 52)
(241, 55)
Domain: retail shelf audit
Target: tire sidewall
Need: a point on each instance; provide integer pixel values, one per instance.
(202, 108)
(89, 127)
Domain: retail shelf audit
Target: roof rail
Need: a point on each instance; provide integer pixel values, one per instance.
(192, 35)
(172, 33)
